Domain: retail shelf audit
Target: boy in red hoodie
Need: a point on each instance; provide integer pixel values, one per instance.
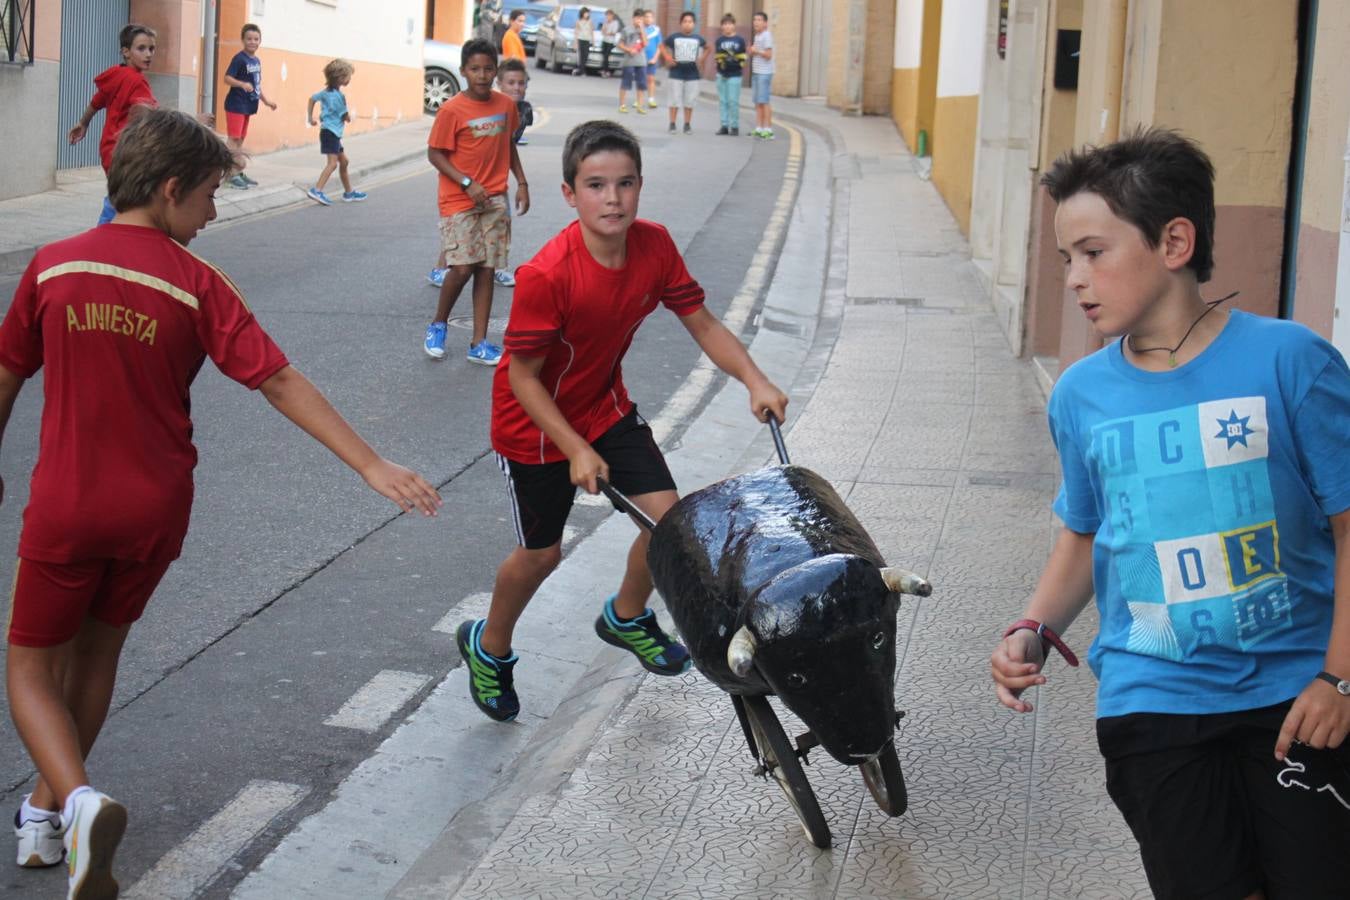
(122, 91)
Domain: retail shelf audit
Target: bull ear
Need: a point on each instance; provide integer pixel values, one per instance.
(903, 581)
(741, 652)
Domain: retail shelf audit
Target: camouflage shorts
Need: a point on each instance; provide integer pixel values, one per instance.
(478, 237)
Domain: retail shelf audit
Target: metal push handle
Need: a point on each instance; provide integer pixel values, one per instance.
(623, 503)
(778, 440)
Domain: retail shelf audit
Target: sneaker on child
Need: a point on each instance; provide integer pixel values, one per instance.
(318, 196)
(491, 680)
(353, 196)
(238, 181)
(39, 833)
(485, 353)
(657, 651)
(434, 345)
(688, 129)
(250, 181)
(504, 278)
(97, 822)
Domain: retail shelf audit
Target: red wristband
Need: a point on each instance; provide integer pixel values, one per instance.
(1047, 636)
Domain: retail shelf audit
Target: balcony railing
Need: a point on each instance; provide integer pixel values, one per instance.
(16, 31)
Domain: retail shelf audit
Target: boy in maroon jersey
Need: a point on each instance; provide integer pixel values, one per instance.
(561, 418)
(122, 318)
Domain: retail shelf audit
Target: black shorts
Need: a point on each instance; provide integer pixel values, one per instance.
(1217, 816)
(329, 144)
(541, 494)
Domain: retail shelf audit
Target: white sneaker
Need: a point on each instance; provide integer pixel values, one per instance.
(39, 841)
(91, 840)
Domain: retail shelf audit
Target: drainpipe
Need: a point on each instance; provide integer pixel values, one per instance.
(1118, 14)
(856, 58)
(1340, 324)
(206, 93)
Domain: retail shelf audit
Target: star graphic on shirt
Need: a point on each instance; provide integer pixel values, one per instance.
(1234, 429)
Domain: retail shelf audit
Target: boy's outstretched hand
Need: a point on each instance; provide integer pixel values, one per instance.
(1016, 666)
(1320, 718)
(404, 486)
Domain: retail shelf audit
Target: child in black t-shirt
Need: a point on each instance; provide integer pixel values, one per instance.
(244, 76)
(730, 55)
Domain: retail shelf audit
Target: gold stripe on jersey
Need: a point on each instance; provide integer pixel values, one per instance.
(239, 295)
(83, 266)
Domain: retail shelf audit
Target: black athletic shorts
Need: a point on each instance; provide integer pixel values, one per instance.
(541, 494)
(1217, 816)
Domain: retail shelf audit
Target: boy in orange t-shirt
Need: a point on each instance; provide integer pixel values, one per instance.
(471, 147)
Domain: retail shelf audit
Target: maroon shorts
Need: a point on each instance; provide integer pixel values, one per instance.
(236, 125)
(51, 600)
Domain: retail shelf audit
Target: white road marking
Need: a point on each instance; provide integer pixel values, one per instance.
(194, 863)
(473, 606)
(382, 696)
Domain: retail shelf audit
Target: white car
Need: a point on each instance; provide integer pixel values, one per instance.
(440, 67)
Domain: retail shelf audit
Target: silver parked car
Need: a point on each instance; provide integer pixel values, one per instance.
(557, 41)
(440, 73)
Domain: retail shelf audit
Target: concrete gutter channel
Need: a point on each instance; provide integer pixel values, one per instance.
(451, 813)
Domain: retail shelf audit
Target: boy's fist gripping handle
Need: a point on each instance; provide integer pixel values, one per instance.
(1047, 636)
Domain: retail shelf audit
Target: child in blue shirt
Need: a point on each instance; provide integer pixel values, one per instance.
(1206, 502)
(332, 116)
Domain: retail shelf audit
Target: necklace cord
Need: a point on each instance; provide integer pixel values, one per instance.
(1172, 351)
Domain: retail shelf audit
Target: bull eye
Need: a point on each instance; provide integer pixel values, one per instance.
(796, 679)
(879, 640)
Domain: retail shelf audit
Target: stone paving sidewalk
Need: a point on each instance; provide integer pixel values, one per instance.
(74, 204)
(936, 438)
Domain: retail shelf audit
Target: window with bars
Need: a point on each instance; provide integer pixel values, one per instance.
(16, 31)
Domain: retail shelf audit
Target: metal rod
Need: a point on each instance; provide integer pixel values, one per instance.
(778, 440)
(625, 504)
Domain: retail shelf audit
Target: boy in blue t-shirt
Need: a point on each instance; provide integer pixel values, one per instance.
(244, 76)
(1206, 501)
(333, 115)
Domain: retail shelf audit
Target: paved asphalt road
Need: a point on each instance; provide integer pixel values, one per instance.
(297, 583)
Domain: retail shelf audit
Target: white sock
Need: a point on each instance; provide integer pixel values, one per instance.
(68, 812)
(30, 813)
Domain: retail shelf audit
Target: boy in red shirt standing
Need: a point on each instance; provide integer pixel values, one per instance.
(471, 147)
(122, 91)
(121, 318)
(561, 417)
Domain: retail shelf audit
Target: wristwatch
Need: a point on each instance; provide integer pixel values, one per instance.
(465, 182)
(1342, 686)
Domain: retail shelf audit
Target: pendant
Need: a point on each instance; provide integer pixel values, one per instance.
(1172, 360)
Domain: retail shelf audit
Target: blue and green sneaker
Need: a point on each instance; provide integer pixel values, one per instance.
(490, 679)
(657, 651)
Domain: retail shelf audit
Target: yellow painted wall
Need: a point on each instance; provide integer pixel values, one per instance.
(905, 105)
(955, 120)
(928, 67)
(785, 22)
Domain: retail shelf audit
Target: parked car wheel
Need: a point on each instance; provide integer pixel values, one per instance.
(438, 87)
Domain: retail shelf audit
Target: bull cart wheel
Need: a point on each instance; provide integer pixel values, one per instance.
(886, 782)
(780, 760)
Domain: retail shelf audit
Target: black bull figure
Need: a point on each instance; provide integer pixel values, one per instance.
(778, 589)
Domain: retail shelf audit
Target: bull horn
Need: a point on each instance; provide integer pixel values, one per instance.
(903, 581)
(741, 652)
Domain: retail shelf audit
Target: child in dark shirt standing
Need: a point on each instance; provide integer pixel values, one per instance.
(561, 416)
(685, 53)
(333, 115)
(244, 76)
(120, 320)
(123, 92)
(730, 50)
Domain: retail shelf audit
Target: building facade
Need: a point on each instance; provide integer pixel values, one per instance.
(49, 79)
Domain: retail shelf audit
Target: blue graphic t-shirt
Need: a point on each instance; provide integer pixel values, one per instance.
(653, 35)
(332, 107)
(244, 68)
(1208, 488)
